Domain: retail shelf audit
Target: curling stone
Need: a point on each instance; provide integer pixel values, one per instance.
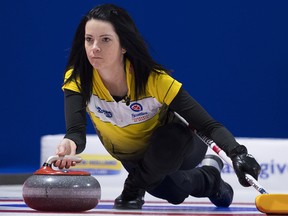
(61, 191)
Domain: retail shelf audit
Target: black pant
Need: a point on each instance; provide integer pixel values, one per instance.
(169, 169)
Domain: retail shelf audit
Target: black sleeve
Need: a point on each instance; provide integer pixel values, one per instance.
(75, 118)
(199, 119)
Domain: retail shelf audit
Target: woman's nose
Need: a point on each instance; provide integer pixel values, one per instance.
(95, 47)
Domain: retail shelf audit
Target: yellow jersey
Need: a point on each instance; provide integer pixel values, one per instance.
(124, 129)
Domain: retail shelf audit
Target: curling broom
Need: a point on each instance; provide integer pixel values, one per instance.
(265, 202)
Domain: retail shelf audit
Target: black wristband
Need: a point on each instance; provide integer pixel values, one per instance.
(241, 149)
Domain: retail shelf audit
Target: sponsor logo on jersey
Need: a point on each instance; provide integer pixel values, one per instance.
(136, 107)
(138, 116)
(120, 114)
(108, 114)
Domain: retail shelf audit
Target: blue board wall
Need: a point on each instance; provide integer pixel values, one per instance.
(230, 55)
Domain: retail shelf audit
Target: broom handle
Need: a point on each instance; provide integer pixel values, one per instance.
(209, 142)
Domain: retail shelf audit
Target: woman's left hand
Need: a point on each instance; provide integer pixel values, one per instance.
(244, 163)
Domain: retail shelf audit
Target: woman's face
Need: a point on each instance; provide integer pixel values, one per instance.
(102, 45)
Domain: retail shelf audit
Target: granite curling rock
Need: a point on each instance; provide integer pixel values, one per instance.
(61, 191)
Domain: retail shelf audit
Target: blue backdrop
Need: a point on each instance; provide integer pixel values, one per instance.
(230, 55)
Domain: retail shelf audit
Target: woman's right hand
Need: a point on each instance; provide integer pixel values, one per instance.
(65, 147)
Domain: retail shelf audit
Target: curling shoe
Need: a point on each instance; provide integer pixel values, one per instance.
(130, 202)
(132, 197)
(224, 194)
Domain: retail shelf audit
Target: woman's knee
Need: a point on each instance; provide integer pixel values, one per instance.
(169, 191)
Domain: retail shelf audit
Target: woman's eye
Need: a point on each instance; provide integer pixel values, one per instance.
(88, 39)
(106, 39)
